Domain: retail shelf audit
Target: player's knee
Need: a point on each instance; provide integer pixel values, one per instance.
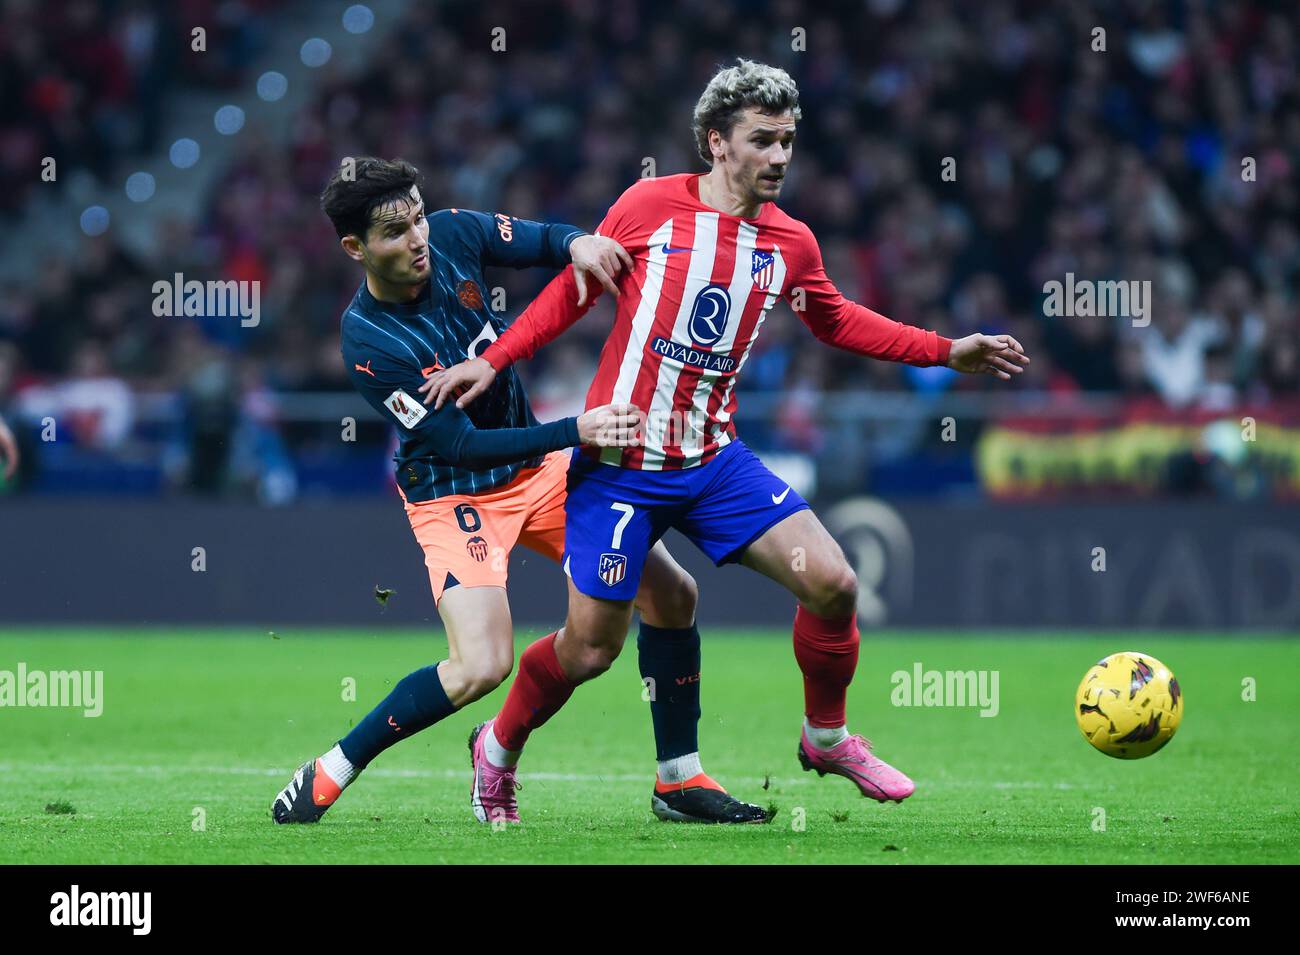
(484, 675)
(674, 606)
(836, 593)
(686, 597)
(594, 660)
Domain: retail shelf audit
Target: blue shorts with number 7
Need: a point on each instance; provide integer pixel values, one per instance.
(613, 515)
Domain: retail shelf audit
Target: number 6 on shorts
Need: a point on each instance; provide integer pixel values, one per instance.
(626, 510)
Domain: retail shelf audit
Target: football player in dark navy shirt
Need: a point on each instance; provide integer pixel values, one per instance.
(397, 332)
(476, 483)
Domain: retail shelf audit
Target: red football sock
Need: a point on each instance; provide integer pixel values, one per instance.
(827, 652)
(539, 690)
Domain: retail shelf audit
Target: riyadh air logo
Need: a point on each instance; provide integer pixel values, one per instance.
(709, 315)
(613, 568)
(761, 270)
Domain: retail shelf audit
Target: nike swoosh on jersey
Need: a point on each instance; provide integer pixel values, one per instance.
(669, 251)
(778, 498)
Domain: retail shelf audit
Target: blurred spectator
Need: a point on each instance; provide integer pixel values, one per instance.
(92, 405)
(84, 80)
(1174, 353)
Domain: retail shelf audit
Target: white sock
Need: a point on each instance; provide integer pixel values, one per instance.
(680, 768)
(825, 737)
(338, 767)
(497, 754)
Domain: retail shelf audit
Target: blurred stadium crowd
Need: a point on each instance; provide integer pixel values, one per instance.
(85, 81)
(1123, 164)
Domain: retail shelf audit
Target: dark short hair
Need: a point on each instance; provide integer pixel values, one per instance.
(361, 185)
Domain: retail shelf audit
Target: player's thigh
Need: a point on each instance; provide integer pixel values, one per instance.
(737, 501)
(593, 634)
(594, 621)
(668, 595)
(800, 553)
(480, 633)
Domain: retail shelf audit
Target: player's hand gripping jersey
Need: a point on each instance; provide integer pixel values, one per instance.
(692, 309)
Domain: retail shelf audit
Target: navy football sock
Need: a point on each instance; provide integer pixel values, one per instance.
(417, 702)
(671, 657)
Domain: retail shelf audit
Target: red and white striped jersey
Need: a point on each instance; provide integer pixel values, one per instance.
(690, 311)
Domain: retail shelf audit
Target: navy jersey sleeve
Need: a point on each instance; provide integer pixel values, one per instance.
(504, 240)
(391, 386)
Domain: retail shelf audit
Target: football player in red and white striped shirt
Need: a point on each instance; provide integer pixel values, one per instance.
(712, 253)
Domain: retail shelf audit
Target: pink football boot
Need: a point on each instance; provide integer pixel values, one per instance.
(853, 759)
(492, 792)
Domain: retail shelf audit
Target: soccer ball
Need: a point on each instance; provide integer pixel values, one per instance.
(1128, 705)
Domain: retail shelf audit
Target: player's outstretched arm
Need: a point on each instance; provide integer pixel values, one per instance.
(860, 330)
(853, 327)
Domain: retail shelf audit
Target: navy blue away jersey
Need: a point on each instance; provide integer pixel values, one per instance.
(389, 347)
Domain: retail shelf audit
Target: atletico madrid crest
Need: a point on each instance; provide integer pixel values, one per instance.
(764, 264)
(613, 568)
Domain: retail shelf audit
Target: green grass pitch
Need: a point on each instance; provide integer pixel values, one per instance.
(206, 726)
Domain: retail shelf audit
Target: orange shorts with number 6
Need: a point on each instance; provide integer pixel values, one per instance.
(467, 538)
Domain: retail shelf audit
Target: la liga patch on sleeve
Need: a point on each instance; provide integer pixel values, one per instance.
(405, 408)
